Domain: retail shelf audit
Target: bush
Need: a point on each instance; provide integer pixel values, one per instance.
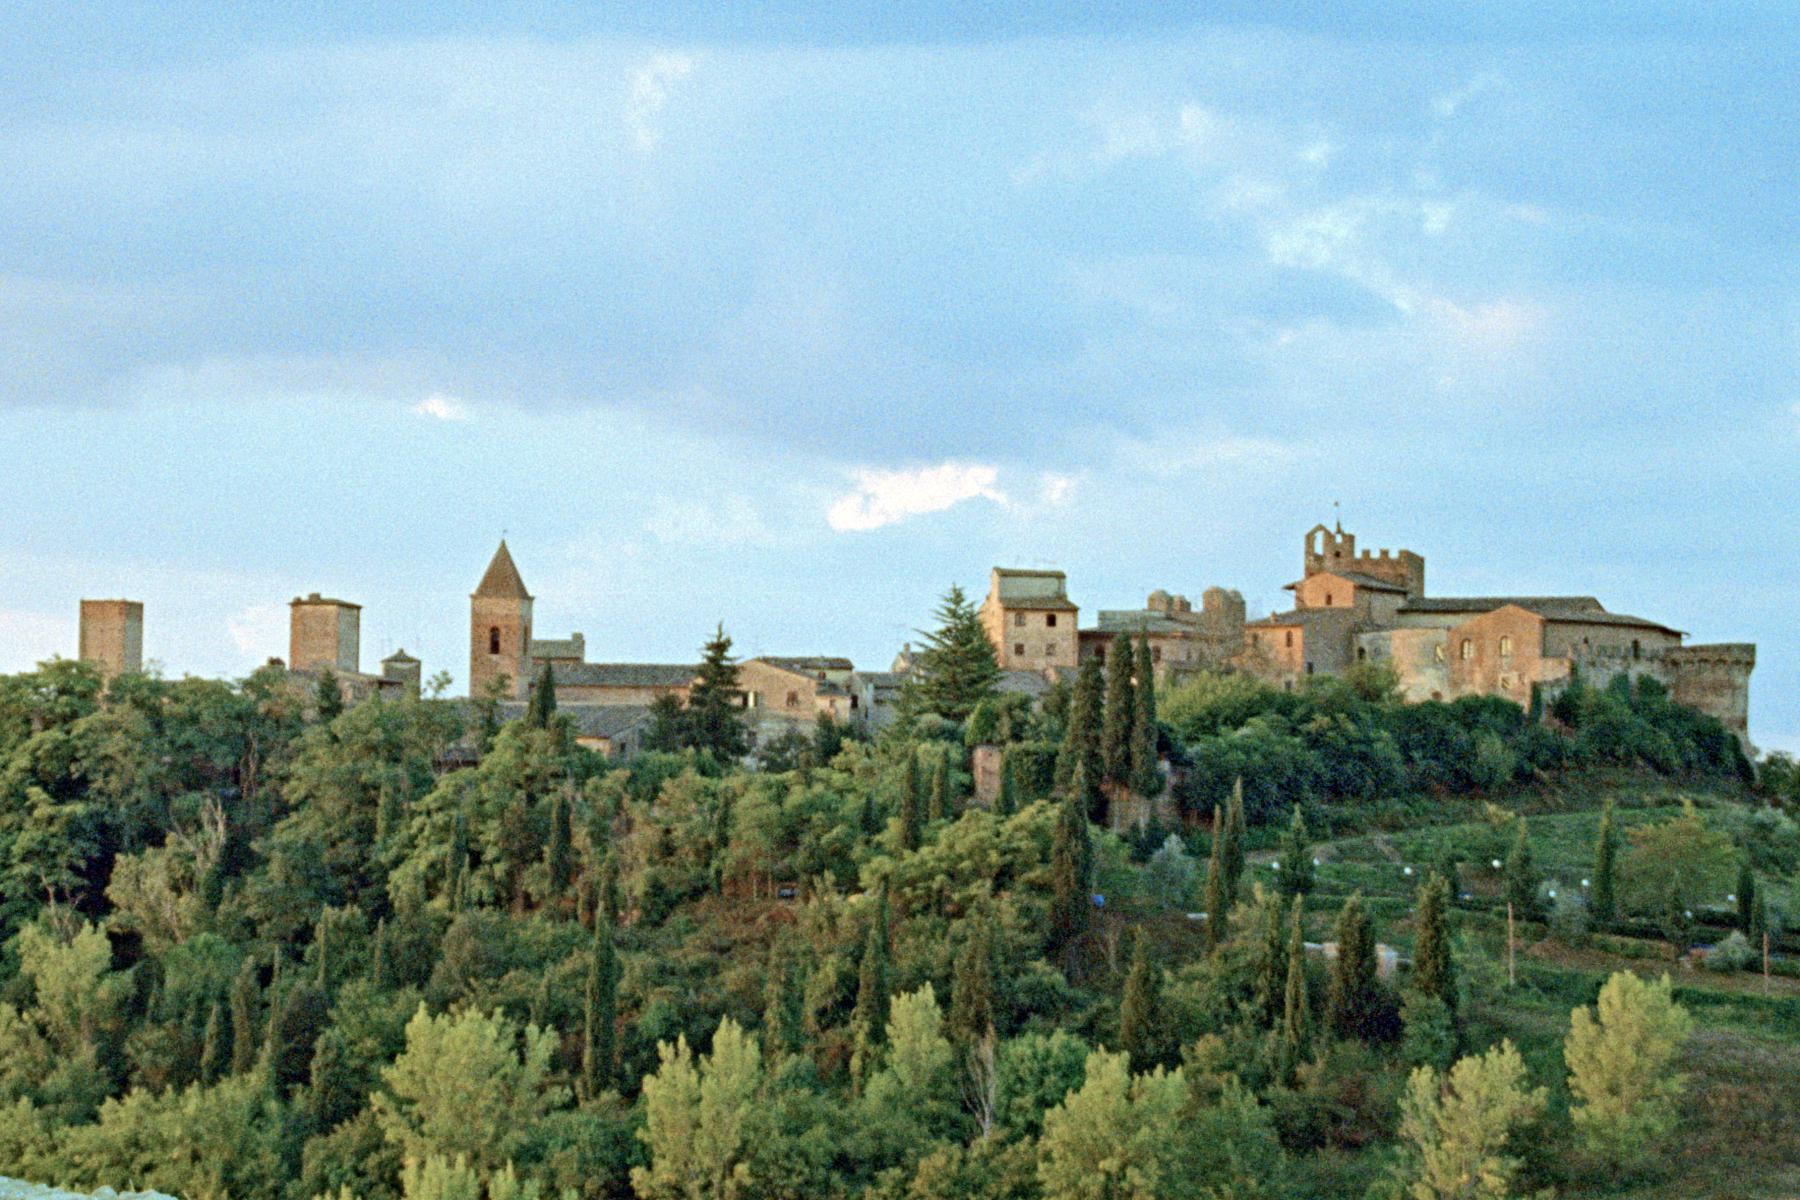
(1569, 918)
(1732, 954)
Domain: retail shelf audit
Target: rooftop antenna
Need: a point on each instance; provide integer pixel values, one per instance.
(1337, 516)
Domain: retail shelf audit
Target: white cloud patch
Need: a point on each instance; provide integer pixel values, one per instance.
(259, 631)
(1055, 490)
(651, 85)
(441, 407)
(886, 497)
(1450, 103)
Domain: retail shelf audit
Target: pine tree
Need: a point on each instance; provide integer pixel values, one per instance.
(1080, 751)
(956, 668)
(713, 718)
(1120, 705)
(599, 1012)
(1139, 1021)
(1433, 970)
(215, 1046)
(1746, 897)
(869, 1017)
(1521, 875)
(1069, 901)
(972, 986)
(1146, 774)
(1606, 849)
(1296, 1009)
(912, 820)
(1007, 802)
(1234, 842)
(559, 854)
(1218, 898)
(243, 1019)
(1352, 998)
(1295, 877)
(542, 709)
(328, 696)
(940, 789)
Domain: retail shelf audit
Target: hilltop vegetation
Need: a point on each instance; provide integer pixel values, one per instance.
(255, 947)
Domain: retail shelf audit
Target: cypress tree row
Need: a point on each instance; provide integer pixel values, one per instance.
(600, 1012)
(1353, 996)
(1120, 706)
(1138, 1017)
(1146, 775)
(1433, 970)
(1603, 896)
(1295, 875)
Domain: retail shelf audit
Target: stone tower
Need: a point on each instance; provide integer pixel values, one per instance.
(112, 635)
(500, 628)
(323, 632)
(1335, 551)
(403, 669)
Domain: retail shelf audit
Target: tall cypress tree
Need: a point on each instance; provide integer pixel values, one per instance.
(1296, 1010)
(1606, 850)
(328, 696)
(781, 1007)
(1272, 957)
(912, 819)
(542, 709)
(559, 853)
(1146, 773)
(1521, 875)
(1120, 705)
(607, 893)
(1352, 999)
(1080, 749)
(940, 788)
(243, 1019)
(456, 861)
(1746, 896)
(1069, 902)
(972, 985)
(1433, 970)
(599, 1012)
(1139, 1021)
(1007, 802)
(1218, 897)
(1295, 877)
(869, 1017)
(215, 1046)
(1234, 841)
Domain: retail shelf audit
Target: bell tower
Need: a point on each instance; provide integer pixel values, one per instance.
(500, 628)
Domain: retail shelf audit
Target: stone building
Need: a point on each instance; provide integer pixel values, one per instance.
(500, 629)
(1031, 620)
(798, 691)
(112, 636)
(1180, 638)
(324, 634)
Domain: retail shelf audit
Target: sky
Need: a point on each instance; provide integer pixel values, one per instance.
(790, 317)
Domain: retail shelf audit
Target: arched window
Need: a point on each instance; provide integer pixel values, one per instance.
(1468, 649)
(494, 640)
(1505, 645)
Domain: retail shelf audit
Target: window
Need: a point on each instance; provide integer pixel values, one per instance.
(1362, 654)
(494, 640)
(1636, 650)
(1468, 649)
(1049, 620)
(1437, 653)
(1505, 645)
(1019, 620)
(1019, 649)
(1290, 638)
(1049, 650)
(853, 704)
(1327, 599)
(1309, 668)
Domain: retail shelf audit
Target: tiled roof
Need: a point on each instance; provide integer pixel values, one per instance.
(589, 720)
(1141, 621)
(1038, 590)
(559, 648)
(400, 656)
(807, 665)
(1029, 683)
(501, 579)
(1546, 606)
(669, 675)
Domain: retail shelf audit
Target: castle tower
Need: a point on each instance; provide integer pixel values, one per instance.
(324, 633)
(404, 669)
(500, 628)
(112, 635)
(1331, 549)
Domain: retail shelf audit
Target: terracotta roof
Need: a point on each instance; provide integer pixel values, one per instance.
(502, 580)
(1568, 610)
(1373, 583)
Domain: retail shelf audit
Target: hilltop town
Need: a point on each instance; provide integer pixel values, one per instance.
(1349, 608)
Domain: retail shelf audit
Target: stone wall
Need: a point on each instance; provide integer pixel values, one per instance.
(112, 635)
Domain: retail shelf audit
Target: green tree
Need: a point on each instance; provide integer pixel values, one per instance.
(781, 1007)
(541, 712)
(328, 696)
(1218, 896)
(1271, 959)
(1433, 970)
(697, 1121)
(599, 1012)
(1456, 1128)
(1353, 999)
(1681, 855)
(873, 982)
(1146, 775)
(467, 1083)
(215, 1046)
(1295, 1041)
(912, 820)
(1007, 802)
(1233, 852)
(1295, 875)
(956, 668)
(1079, 761)
(559, 854)
(1120, 705)
(940, 788)
(1521, 874)
(1070, 902)
(1746, 896)
(1621, 1060)
(243, 1019)
(1140, 1019)
(1116, 1137)
(1604, 895)
(972, 984)
(714, 715)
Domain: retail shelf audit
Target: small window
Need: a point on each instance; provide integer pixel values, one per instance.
(1636, 650)
(1019, 620)
(1048, 650)
(1468, 649)
(1437, 654)
(1327, 599)
(1309, 668)
(1019, 649)
(853, 704)
(1362, 654)
(494, 640)
(1049, 620)
(1506, 645)
(1290, 639)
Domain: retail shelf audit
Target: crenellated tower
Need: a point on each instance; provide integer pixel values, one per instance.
(500, 628)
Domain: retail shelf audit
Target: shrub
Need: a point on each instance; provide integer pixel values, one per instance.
(1732, 954)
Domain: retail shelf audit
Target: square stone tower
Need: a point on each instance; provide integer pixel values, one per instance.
(500, 628)
(112, 635)
(323, 632)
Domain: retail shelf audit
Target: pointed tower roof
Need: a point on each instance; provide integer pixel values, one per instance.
(501, 580)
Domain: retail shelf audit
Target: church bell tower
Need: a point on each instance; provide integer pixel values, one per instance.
(500, 628)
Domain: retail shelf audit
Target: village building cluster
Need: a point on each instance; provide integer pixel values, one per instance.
(1349, 608)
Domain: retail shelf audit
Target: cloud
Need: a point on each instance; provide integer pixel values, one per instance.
(441, 407)
(1448, 104)
(650, 88)
(885, 497)
(1055, 490)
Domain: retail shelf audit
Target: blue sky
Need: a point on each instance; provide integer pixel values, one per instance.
(793, 319)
